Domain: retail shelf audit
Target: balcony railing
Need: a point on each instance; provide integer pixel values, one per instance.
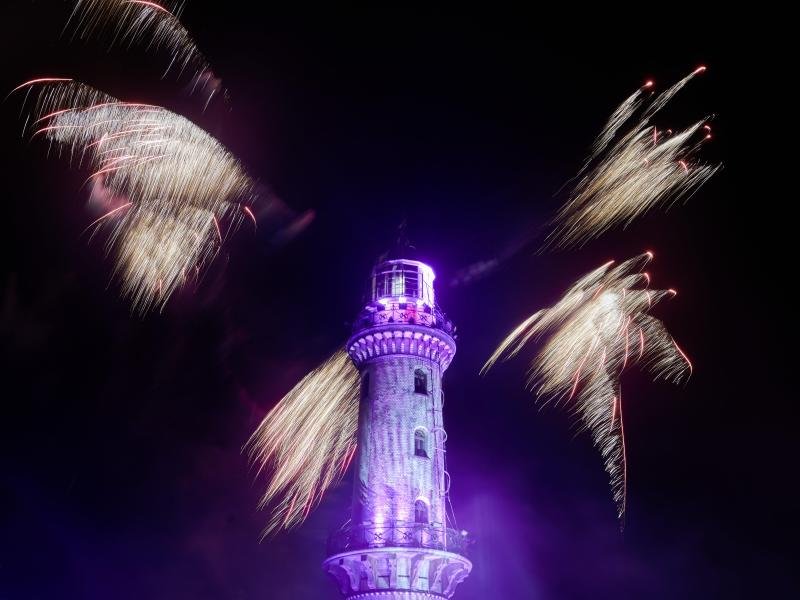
(405, 313)
(398, 534)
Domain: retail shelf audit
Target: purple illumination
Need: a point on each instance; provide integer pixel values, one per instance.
(401, 489)
(403, 280)
(125, 480)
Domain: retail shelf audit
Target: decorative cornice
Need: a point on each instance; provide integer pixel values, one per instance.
(391, 573)
(386, 340)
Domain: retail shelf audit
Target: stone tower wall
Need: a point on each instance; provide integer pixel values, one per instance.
(391, 477)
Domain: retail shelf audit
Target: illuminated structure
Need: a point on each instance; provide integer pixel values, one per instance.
(397, 545)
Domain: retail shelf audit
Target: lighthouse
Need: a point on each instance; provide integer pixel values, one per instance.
(398, 543)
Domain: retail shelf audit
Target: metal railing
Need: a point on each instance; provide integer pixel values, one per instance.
(398, 534)
(407, 313)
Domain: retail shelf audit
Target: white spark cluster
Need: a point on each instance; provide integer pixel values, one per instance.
(177, 184)
(128, 22)
(628, 175)
(307, 441)
(599, 328)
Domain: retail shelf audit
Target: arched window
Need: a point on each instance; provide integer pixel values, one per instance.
(365, 385)
(420, 381)
(420, 512)
(420, 443)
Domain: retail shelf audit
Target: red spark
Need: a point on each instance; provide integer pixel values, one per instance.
(683, 354)
(53, 114)
(309, 502)
(108, 170)
(580, 366)
(108, 214)
(577, 378)
(250, 214)
(289, 511)
(150, 4)
(348, 457)
(52, 127)
(597, 293)
(219, 232)
(40, 80)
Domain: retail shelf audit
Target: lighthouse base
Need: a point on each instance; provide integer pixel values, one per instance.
(397, 573)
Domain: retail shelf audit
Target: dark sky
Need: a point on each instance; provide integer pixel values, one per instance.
(120, 467)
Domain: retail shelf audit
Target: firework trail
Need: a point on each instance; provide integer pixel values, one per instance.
(307, 441)
(599, 328)
(157, 25)
(171, 183)
(627, 175)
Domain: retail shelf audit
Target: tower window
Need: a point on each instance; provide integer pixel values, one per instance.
(420, 512)
(420, 443)
(420, 382)
(398, 289)
(365, 385)
(398, 279)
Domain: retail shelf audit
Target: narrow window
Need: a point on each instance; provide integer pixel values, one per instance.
(412, 282)
(398, 289)
(420, 382)
(420, 443)
(420, 512)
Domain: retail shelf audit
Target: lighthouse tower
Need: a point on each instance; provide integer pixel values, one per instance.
(397, 544)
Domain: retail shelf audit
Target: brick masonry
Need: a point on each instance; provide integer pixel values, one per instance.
(390, 477)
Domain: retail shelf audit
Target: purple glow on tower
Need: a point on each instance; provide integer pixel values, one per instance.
(397, 544)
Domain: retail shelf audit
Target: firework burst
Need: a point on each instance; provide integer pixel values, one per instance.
(627, 175)
(599, 328)
(157, 25)
(307, 441)
(173, 182)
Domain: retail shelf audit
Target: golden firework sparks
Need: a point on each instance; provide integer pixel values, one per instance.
(307, 441)
(599, 328)
(175, 181)
(128, 22)
(626, 176)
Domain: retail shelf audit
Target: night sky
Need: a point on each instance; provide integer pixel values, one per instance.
(121, 474)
